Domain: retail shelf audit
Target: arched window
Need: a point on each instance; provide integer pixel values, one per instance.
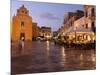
(22, 11)
(22, 23)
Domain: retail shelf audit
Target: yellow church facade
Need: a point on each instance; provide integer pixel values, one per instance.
(21, 25)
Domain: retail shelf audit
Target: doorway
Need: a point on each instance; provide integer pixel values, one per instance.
(22, 36)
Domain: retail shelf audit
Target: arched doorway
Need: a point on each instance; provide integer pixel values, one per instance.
(22, 36)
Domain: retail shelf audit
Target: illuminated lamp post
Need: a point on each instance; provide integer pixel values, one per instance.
(75, 34)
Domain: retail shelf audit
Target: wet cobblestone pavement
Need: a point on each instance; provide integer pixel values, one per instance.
(45, 56)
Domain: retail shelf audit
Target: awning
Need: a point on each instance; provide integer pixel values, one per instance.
(78, 30)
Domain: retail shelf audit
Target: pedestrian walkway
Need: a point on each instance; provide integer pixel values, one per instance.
(45, 56)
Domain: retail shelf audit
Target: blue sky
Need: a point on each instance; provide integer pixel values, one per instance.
(45, 14)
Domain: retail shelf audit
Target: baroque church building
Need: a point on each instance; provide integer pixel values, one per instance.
(21, 25)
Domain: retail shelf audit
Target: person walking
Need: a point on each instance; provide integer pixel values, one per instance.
(21, 45)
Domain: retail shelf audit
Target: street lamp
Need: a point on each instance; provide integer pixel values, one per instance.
(75, 34)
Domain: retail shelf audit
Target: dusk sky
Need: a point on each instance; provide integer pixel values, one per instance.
(45, 14)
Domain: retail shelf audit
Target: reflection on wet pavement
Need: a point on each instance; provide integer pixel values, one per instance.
(45, 56)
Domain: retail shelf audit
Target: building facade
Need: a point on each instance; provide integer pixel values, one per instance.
(36, 30)
(90, 15)
(81, 25)
(46, 33)
(21, 25)
(70, 17)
